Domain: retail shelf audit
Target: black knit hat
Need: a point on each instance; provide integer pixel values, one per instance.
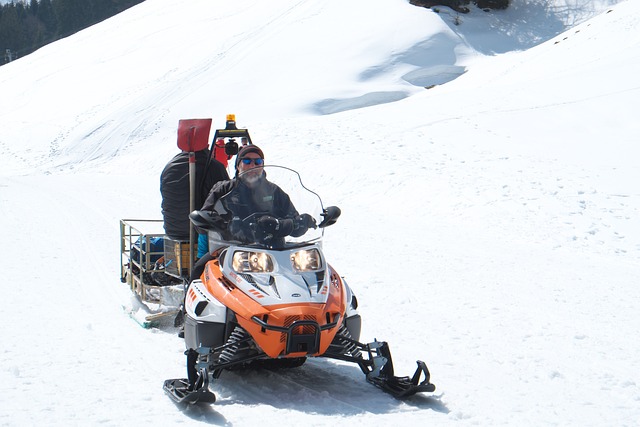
(246, 150)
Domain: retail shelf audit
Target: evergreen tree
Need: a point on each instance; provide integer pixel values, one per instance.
(71, 15)
(102, 9)
(11, 35)
(46, 15)
(33, 7)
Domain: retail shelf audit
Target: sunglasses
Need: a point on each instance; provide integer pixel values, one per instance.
(257, 162)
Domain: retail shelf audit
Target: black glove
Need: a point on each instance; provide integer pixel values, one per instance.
(270, 227)
(306, 221)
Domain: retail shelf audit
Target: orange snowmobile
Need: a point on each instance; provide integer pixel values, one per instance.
(268, 297)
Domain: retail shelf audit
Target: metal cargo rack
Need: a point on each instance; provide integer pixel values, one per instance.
(139, 273)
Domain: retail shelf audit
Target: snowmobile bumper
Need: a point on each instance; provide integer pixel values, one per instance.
(308, 343)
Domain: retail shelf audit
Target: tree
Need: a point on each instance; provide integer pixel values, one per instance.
(11, 32)
(71, 15)
(28, 25)
(47, 16)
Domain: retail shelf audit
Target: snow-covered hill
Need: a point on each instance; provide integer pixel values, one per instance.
(490, 223)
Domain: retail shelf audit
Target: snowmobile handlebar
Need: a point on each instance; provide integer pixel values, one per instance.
(330, 216)
(261, 227)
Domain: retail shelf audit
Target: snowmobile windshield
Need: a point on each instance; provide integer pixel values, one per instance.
(268, 206)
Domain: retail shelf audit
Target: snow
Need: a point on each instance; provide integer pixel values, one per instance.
(490, 224)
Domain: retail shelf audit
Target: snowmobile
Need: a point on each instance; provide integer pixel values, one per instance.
(269, 298)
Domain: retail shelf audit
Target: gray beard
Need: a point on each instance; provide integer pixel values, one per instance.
(250, 178)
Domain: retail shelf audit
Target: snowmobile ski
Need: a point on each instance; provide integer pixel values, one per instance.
(402, 387)
(382, 375)
(180, 392)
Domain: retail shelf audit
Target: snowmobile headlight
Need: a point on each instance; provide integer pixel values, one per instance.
(252, 262)
(306, 260)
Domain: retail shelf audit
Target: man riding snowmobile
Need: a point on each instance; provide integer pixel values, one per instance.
(250, 192)
(266, 295)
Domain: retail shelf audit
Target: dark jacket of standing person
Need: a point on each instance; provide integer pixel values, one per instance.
(174, 187)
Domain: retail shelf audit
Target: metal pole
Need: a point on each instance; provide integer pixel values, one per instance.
(192, 200)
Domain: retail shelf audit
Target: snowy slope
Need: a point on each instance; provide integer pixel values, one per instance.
(490, 224)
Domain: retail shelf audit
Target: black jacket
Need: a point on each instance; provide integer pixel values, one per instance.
(174, 187)
(233, 198)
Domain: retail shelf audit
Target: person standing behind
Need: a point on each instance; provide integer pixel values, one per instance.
(174, 188)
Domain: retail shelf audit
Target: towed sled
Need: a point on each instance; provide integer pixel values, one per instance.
(269, 298)
(153, 267)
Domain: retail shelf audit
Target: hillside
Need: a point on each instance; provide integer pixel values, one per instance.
(490, 223)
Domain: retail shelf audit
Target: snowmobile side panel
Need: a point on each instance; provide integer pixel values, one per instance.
(354, 325)
(230, 296)
(203, 334)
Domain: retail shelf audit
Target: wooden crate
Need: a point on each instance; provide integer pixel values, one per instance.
(176, 257)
